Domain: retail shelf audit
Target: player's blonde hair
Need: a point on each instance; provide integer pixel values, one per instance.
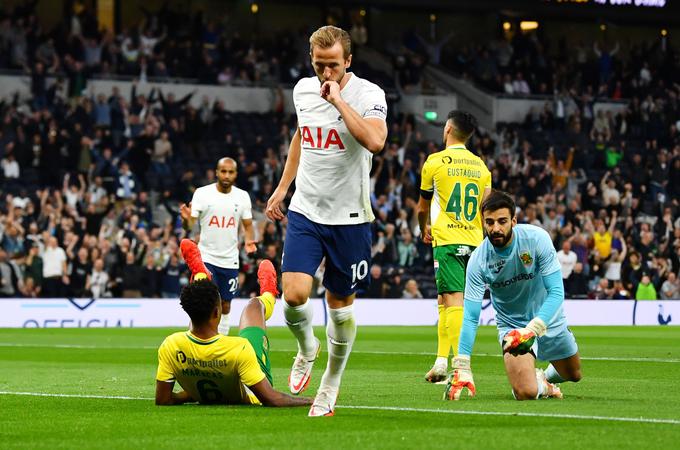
(326, 37)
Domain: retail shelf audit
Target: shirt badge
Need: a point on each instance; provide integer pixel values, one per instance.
(526, 258)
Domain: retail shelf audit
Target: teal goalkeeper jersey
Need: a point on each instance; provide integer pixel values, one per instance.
(514, 276)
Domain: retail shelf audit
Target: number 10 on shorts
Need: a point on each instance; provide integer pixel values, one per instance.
(359, 271)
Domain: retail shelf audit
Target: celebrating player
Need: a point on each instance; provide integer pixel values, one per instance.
(455, 181)
(211, 367)
(341, 124)
(520, 266)
(221, 208)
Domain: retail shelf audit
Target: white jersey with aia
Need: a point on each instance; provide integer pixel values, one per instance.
(332, 186)
(219, 216)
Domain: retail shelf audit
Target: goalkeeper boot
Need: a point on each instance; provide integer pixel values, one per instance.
(301, 372)
(192, 256)
(266, 276)
(437, 374)
(549, 390)
(324, 402)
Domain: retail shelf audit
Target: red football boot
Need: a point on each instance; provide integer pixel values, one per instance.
(192, 256)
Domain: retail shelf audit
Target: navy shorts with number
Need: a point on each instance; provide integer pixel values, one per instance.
(226, 281)
(347, 249)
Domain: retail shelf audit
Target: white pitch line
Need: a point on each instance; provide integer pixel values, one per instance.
(397, 409)
(356, 352)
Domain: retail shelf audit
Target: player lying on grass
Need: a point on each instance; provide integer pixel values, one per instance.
(519, 265)
(215, 369)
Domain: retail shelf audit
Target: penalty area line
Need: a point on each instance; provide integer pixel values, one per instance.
(395, 409)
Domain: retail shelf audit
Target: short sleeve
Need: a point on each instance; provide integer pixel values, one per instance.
(375, 105)
(487, 181)
(165, 371)
(546, 255)
(197, 204)
(248, 368)
(426, 178)
(474, 279)
(247, 207)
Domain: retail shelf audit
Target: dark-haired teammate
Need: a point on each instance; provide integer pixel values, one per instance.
(216, 369)
(221, 209)
(454, 182)
(519, 265)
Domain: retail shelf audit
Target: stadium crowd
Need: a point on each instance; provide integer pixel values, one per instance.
(91, 185)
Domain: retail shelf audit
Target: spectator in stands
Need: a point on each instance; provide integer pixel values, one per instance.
(411, 290)
(98, 281)
(576, 286)
(670, 289)
(567, 259)
(645, 290)
(80, 269)
(55, 273)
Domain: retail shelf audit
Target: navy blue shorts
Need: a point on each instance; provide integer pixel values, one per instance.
(347, 249)
(226, 281)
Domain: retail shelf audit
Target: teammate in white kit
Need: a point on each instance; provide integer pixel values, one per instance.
(519, 265)
(221, 208)
(341, 124)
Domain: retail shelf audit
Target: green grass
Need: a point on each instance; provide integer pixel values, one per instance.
(385, 371)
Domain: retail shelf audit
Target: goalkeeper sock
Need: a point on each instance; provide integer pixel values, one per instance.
(341, 331)
(268, 301)
(443, 342)
(454, 322)
(223, 326)
(552, 375)
(299, 321)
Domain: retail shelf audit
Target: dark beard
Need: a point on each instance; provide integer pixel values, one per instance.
(506, 239)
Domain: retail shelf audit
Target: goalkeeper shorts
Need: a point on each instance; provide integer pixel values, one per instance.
(558, 343)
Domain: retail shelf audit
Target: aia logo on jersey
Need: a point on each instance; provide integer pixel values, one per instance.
(321, 138)
(222, 222)
(526, 258)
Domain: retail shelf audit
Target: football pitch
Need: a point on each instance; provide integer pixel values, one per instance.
(94, 388)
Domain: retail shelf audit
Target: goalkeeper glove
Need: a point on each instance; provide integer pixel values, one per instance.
(520, 340)
(460, 379)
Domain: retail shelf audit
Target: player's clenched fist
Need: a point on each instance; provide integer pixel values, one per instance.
(330, 91)
(460, 379)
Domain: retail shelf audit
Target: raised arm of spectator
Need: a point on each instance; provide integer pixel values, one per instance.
(612, 222)
(184, 100)
(603, 181)
(624, 250)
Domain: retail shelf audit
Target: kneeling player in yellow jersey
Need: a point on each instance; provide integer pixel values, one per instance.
(455, 182)
(216, 369)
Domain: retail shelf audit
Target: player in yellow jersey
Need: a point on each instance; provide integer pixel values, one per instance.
(454, 183)
(216, 369)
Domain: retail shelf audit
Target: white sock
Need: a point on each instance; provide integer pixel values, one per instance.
(553, 376)
(299, 321)
(341, 331)
(441, 361)
(542, 388)
(223, 327)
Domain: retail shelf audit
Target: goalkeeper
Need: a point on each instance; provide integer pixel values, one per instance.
(519, 265)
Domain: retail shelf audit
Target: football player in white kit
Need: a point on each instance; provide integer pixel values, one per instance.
(341, 125)
(220, 208)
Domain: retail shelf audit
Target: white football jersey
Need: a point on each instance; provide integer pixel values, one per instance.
(219, 216)
(332, 185)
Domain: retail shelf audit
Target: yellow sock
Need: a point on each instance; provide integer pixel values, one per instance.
(443, 342)
(454, 322)
(268, 300)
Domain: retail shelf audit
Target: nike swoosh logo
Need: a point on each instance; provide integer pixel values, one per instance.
(353, 284)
